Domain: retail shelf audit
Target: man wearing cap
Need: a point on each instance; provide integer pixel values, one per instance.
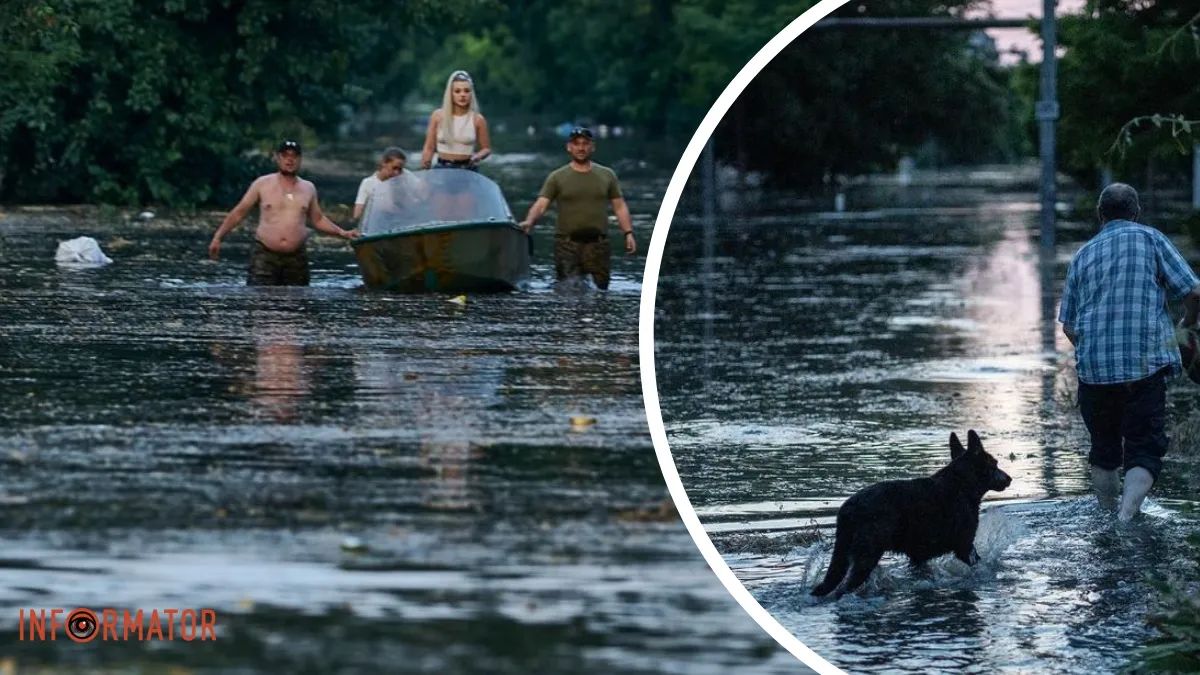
(1114, 311)
(583, 189)
(285, 202)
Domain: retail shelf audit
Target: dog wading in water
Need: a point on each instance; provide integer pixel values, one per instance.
(922, 518)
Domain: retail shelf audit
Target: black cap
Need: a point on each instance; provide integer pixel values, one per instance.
(580, 131)
(294, 146)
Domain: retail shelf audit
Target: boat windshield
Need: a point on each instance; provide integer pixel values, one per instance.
(438, 197)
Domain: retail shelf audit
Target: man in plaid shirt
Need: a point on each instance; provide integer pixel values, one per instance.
(1114, 310)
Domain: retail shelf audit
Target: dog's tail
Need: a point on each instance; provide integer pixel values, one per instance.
(838, 565)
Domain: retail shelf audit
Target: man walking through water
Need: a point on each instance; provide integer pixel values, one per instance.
(582, 189)
(1114, 310)
(285, 201)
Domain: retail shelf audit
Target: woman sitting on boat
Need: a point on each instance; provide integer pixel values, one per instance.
(457, 131)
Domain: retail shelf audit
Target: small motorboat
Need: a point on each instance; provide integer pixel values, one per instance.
(443, 230)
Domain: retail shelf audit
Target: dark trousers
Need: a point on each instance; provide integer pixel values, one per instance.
(272, 268)
(581, 255)
(1127, 422)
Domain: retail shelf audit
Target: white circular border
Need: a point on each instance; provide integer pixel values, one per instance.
(658, 240)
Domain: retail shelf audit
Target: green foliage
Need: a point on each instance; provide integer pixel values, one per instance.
(654, 64)
(127, 102)
(494, 58)
(1128, 71)
(1178, 620)
(843, 102)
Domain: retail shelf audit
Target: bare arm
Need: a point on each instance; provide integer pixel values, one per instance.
(484, 140)
(430, 139)
(358, 211)
(535, 211)
(625, 222)
(1070, 333)
(323, 224)
(1191, 307)
(233, 219)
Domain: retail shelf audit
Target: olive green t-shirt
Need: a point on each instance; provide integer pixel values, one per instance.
(582, 198)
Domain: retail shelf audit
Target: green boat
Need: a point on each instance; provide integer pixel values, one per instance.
(444, 230)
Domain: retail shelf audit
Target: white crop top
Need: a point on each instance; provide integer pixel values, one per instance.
(463, 128)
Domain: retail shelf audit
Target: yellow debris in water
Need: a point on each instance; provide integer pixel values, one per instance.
(459, 300)
(581, 422)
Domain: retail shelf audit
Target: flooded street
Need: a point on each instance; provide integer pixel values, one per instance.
(826, 352)
(354, 481)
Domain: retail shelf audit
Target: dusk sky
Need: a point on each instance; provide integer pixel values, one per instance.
(1006, 39)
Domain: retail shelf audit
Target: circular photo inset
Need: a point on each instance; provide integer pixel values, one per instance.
(912, 360)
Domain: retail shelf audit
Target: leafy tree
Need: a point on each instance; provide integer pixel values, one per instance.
(1128, 60)
(654, 64)
(158, 102)
(846, 102)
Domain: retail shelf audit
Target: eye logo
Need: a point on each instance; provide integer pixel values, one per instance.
(82, 625)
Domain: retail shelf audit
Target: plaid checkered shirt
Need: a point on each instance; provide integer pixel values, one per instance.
(1115, 301)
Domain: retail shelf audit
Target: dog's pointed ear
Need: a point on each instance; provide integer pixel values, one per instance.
(973, 442)
(956, 448)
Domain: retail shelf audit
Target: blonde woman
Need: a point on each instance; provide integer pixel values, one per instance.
(457, 132)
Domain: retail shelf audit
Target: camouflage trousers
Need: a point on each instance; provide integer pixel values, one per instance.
(272, 268)
(576, 258)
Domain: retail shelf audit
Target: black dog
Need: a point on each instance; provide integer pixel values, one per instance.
(922, 518)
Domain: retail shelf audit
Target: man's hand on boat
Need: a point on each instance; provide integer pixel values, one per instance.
(526, 226)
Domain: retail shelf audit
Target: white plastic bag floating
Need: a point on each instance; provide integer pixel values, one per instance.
(80, 252)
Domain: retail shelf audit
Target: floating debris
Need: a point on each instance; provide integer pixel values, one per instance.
(354, 545)
(581, 422)
(80, 252)
(664, 512)
(458, 300)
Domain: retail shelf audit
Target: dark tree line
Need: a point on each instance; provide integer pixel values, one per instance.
(1129, 60)
(849, 101)
(130, 102)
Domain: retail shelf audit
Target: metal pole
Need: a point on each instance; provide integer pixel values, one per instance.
(1196, 177)
(1047, 114)
(921, 22)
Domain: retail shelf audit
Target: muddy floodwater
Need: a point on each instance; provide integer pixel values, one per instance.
(354, 481)
(812, 355)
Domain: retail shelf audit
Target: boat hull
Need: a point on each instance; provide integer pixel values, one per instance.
(460, 258)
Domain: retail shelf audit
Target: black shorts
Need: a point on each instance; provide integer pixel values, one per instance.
(1127, 422)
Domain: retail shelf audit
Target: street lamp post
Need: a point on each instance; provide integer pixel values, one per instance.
(1047, 116)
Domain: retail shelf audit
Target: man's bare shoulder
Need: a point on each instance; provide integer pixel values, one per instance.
(264, 180)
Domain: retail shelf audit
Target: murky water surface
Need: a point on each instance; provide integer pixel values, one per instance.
(356, 482)
(814, 355)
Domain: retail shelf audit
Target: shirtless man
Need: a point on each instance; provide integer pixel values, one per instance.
(285, 202)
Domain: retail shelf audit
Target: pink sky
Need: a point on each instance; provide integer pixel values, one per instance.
(1021, 39)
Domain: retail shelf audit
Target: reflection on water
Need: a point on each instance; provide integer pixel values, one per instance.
(843, 352)
(280, 381)
(355, 481)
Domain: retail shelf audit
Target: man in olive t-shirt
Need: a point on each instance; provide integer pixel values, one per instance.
(583, 191)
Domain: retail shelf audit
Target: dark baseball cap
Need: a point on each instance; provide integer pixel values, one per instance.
(580, 131)
(294, 146)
